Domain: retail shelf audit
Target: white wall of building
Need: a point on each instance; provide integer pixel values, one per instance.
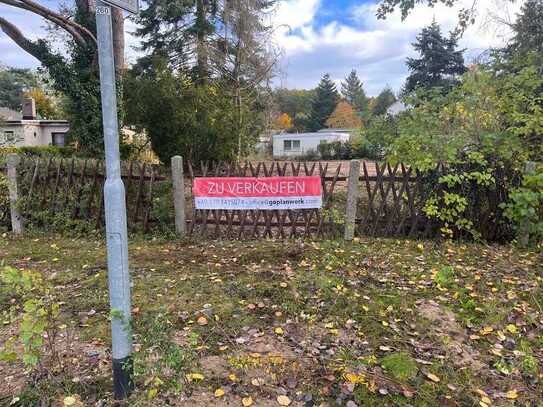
(31, 133)
(307, 142)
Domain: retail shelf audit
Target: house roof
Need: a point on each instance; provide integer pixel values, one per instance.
(337, 130)
(36, 122)
(303, 135)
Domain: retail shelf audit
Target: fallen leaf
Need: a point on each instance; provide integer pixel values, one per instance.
(512, 328)
(219, 392)
(511, 394)
(202, 321)
(69, 401)
(279, 331)
(195, 376)
(487, 330)
(433, 377)
(283, 400)
(353, 378)
(247, 401)
(486, 400)
(257, 381)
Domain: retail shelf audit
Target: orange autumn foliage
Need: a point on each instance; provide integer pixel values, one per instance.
(344, 117)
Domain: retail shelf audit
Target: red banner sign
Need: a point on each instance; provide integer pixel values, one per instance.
(268, 193)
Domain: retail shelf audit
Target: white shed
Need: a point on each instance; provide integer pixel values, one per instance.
(299, 144)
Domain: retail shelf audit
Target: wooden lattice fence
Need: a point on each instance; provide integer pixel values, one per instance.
(390, 200)
(72, 190)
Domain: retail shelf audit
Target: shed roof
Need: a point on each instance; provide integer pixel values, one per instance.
(303, 135)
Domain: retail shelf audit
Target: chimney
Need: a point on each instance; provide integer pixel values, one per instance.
(29, 109)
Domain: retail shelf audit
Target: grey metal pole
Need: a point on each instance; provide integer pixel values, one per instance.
(116, 226)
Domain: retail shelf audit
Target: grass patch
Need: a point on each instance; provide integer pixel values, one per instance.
(297, 316)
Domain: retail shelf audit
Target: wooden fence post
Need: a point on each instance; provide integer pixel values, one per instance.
(352, 200)
(524, 235)
(12, 162)
(179, 195)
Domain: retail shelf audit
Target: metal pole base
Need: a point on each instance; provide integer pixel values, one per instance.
(123, 385)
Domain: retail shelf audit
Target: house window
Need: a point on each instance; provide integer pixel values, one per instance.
(291, 145)
(58, 139)
(9, 136)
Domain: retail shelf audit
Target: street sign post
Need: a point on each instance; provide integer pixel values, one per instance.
(115, 207)
(132, 6)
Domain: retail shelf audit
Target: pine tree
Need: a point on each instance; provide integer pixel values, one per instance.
(528, 29)
(353, 92)
(440, 63)
(324, 103)
(180, 31)
(382, 102)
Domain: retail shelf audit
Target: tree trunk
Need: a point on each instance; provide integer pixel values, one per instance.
(118, 40)
(201, 48)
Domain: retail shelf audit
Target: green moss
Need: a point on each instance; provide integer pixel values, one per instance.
(401, 365)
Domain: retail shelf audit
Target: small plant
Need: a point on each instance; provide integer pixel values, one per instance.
(529, 364)
(37, 312)
(445, 277)
(170, 360)
(401, 365)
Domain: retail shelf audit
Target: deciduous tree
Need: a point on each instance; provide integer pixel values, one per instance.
(344, 117)
(283, 122)
(46, 106)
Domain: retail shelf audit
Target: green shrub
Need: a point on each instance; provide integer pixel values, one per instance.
(41, 151)
(525, 207)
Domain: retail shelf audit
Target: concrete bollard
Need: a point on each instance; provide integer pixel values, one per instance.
(179, 195)
(13, 161)
(352, 200)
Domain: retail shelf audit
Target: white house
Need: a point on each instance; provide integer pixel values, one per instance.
(299, 144)
(28, 130)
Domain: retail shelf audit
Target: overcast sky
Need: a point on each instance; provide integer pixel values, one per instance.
(327, 36)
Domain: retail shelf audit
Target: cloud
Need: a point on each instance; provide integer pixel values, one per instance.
(319, 36)
(376, 48)
(31, 25)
